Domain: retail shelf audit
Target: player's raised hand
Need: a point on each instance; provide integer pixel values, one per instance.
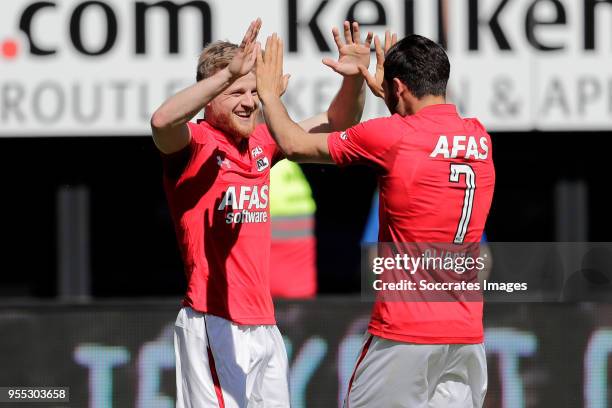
(244, 60)
(352, 52)
(271, 82)
(375, 81)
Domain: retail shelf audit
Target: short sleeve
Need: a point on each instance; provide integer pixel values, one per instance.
(174, 164)
(366, 143)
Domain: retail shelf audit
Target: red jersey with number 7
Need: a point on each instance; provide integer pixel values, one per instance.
(436, 185)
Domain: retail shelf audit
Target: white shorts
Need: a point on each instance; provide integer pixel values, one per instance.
(396, 374)
(222, 364)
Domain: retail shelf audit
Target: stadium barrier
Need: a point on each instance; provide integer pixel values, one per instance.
(120, 354)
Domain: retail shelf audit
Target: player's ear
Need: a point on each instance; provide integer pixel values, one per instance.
(207, 109)
(399, 88)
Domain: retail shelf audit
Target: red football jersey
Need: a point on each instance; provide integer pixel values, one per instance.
(218, 195)
(436, 185)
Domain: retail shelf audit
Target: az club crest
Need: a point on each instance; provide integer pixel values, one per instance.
(262, 163)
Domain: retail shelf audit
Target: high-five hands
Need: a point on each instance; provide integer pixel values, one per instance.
(244, 60)
(375, 81)
(271, 83)
(352, 53)
(354, 58)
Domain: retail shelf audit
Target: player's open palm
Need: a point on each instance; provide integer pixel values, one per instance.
(352, 52)
(244, 60)
(269, 72)
(375, 82)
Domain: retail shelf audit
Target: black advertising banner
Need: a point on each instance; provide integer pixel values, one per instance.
(121, 355)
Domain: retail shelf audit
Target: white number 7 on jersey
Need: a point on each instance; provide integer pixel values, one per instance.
(456, 170)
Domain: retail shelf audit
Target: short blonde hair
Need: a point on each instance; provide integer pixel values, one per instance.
(214, 57)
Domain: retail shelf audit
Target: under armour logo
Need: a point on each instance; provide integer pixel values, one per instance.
(343, 135)
(221, 162)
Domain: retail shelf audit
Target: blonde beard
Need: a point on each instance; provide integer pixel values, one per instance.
(230, 125)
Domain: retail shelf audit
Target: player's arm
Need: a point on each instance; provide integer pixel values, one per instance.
(375, 82)
(293, 140)
(169, 122)
(346, 108)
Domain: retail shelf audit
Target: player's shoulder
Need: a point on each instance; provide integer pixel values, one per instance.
(409, 123)
(384, 122)
(475, 125)
(384, 128)
(201, 131)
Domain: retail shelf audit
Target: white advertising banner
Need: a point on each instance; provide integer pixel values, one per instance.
(86, 68)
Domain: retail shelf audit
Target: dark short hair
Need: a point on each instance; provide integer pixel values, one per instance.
(421, 64)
